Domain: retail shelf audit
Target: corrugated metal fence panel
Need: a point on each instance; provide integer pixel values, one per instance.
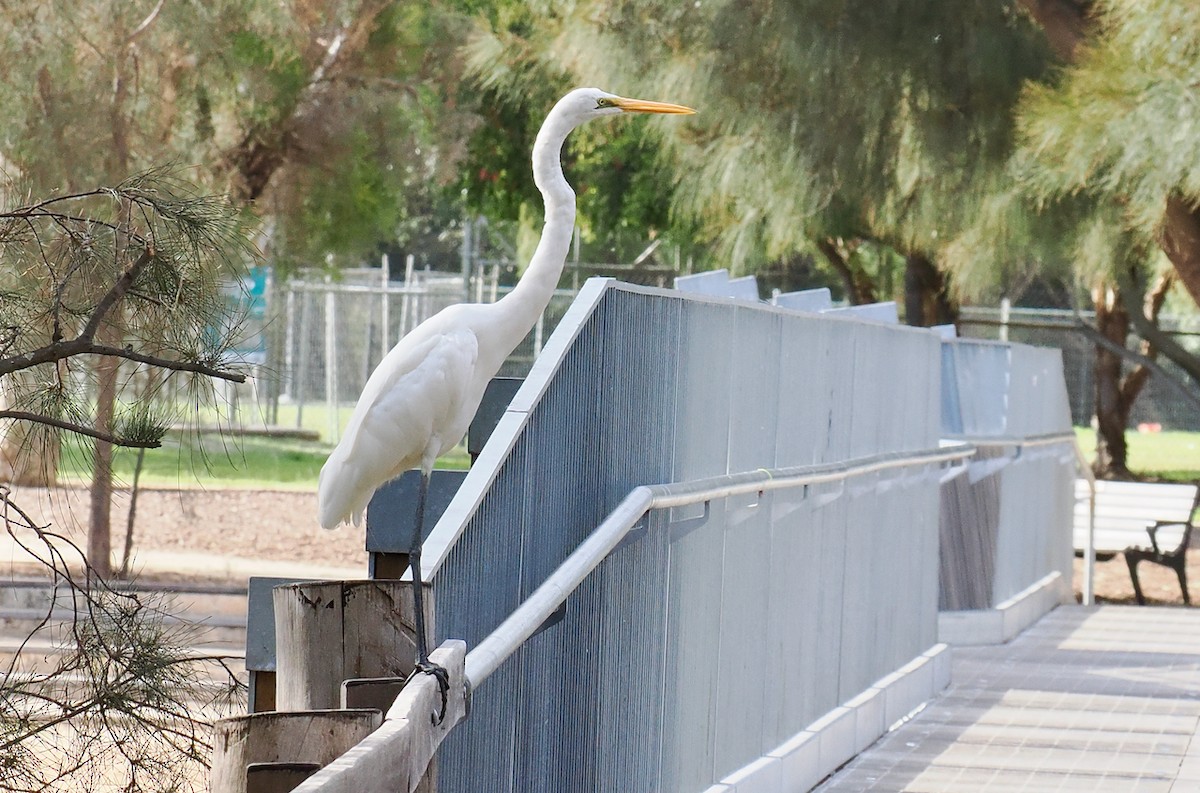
(705, 639)
(1007, 524)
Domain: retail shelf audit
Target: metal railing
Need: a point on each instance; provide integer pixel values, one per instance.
(1007, 524)
(737, 625)
(662, 637)
(523, 623)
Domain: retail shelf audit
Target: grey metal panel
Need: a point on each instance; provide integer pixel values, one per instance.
(710, 283)
(806, 300)
(885, 313)
(744, 288)
(393, 508)
(807, 385)
(829, 583)
(260, 622)
(496, 399)
(1005, 526)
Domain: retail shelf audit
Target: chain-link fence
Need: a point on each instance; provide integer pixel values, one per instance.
(328, 336)
(1159, 403)
(324, 337)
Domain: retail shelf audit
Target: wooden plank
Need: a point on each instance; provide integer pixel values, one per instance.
(298, 737)
(332, 631)
(395, 757)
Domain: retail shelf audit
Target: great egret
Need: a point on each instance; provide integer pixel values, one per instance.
(418, 402)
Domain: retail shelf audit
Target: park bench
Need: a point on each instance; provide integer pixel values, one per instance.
(1129, 512)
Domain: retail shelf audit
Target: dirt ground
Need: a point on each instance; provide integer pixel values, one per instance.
(282, 526)
(251, 524)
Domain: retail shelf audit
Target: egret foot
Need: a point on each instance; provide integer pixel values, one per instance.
(428, 667)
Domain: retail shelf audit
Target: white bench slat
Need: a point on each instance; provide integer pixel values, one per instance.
(1125, 509)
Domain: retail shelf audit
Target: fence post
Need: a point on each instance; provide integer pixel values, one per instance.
(331, 396)
(327, 632)
(281, 742)
(385, 298)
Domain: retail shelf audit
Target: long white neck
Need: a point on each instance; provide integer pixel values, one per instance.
(523, 306)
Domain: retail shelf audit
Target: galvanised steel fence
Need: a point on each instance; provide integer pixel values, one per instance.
(1006, 522)
(1159, 401)
(335, 333)
(713, 632)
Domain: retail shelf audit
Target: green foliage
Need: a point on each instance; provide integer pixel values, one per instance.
(1123, 124)
(888, 121)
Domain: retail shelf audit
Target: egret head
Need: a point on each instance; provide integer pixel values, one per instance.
(583, 104)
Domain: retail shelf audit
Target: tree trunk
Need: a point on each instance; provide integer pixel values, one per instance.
(100, 527)
(926, 301)
(1180, 240)
(860, 289)
(28, 455)
(1112, 410)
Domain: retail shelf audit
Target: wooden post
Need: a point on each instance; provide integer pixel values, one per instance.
(287, 738)
(400, 755)
(331, 631)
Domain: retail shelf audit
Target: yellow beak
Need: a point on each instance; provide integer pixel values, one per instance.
(646, 106)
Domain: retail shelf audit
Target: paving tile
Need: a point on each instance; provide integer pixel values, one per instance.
(1088, 699)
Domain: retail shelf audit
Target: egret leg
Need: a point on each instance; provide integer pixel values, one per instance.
(423, 664)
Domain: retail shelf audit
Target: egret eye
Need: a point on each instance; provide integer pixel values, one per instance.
(604, 102)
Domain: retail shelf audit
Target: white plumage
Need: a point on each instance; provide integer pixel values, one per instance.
(419, 401)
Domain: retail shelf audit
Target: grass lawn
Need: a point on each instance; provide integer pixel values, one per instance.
(1168, 455)
(220, 462)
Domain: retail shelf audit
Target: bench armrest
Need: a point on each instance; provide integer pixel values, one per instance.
(1153, 531)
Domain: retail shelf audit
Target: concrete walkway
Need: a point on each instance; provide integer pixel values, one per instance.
(1088, 699)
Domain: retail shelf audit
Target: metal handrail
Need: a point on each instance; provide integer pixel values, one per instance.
(1089, 552)
(1043, 439)
(489, 654)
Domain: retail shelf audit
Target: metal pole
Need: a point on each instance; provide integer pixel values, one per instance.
(1089, 548)
(1005, 311)
(468, 224)
(289, 339)
(302, 364)
(385, 315)
(331, 360)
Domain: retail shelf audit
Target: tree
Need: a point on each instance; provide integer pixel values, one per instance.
(318, 112)
(131, 273)
(823, 128)
(1115, 126)
(1112, 129)
(148, 258)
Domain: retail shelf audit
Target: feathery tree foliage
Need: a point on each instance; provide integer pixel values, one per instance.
(320, 113)
(133, 273)
(821, 127)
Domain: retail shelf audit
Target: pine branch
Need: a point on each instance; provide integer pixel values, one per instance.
(60, 351)
(70, 426)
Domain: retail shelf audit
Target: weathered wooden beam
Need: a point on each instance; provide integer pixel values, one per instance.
(297, 737)
(331, 631)
(396, 756)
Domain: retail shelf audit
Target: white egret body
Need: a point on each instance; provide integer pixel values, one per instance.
(419, 401)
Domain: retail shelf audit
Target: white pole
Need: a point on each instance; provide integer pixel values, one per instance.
(406, 296)
(289, 338)
(385, 278)
(1005, 311)
(304, 353)
(331, 360)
